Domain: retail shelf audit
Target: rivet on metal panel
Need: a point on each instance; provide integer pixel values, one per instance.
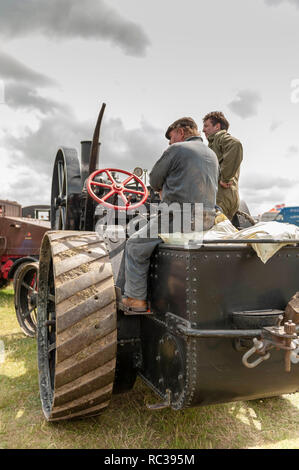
(194, 269)
(205, 257)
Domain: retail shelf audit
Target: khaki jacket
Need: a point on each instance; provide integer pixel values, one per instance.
(229, 152)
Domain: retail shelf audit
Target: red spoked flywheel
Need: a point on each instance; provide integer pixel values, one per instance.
(115, 187)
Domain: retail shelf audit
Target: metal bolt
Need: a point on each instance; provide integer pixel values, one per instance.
(290, 327)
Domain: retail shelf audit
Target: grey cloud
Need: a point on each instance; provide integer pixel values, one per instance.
(20, 86)
(273, 196)
(30, 188)
(66, 19)
(20, 96)
(12, 69)
(255, 182)
(275, 125)
(135, 147)
(120, 147)
(292, 150)
(34, 154)
(245, 104)
(279, 2)
(37, 149)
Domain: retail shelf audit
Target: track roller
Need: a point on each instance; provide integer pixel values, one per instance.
(77, 326)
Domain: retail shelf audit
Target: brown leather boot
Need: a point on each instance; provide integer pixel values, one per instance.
(135, 304)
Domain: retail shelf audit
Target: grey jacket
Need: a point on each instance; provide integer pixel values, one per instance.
(187, 172)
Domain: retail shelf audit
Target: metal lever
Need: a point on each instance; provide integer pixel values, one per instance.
(160, 406)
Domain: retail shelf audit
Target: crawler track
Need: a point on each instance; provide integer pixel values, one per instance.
(77, 336)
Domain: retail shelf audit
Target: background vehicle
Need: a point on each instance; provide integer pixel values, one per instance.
(283, 214)
(288, 215)
(213, 306)
(20, 239)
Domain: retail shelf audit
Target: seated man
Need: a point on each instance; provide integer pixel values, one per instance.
(187, 172)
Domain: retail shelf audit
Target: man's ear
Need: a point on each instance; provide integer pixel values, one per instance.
(181, 133)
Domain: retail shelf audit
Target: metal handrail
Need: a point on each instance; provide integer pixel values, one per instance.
(242, 241)
(221, 333)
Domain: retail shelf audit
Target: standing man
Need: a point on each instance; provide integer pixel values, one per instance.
(187, 172)
(229, 151)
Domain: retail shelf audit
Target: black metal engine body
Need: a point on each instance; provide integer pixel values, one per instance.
(202, 289)
(208, 302)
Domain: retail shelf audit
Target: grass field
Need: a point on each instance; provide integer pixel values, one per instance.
(127, 423)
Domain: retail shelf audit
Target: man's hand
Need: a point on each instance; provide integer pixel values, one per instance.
(225, 185)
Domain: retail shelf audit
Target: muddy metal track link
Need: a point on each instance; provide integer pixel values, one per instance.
(77, 336)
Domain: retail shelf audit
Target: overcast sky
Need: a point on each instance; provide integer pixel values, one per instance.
(151, 62)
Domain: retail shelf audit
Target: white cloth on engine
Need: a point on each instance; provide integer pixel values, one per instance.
(224, 230)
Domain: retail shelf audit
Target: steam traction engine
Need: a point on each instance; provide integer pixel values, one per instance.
(217, 330)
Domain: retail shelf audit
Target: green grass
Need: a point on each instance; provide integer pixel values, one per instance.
(127, 423)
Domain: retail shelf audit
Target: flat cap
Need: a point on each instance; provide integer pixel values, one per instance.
(182, 122)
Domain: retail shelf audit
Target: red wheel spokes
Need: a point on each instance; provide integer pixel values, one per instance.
(118, 188)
